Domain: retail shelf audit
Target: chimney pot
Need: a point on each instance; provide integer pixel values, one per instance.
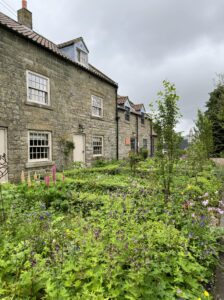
(24, 4)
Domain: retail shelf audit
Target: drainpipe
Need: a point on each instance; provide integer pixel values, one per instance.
(137, 132)
(117, 129)
(151, 139)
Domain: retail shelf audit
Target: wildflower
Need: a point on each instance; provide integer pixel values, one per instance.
(54, 173)
(205, 203)
(193, 215)
(206, 195)
(199, 298)
(35, 177)
(220, 211)
(206, 294)
(47, 180)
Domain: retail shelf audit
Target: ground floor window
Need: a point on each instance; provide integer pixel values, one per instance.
(145, 143)
(39, 146)
(133, 144)
(97, 145)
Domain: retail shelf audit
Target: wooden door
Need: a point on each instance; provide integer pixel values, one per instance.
(79, 148)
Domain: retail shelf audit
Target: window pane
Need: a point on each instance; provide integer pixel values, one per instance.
(39, 148)
(37, 88)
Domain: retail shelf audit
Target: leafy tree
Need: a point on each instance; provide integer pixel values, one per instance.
(215, 113)
(203, 133)
(165, 120)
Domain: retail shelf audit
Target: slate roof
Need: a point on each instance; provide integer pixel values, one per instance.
(38, 39)
(69, 43)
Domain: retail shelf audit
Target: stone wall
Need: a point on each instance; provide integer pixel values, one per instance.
(70, 97)
(132, 129)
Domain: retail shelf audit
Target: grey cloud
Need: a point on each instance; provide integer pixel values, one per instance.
(140, 43)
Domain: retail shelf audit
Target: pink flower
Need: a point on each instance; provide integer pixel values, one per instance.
(47, 181)
(54, 173)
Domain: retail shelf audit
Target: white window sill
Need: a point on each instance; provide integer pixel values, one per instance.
(37, 164)
(30, 103)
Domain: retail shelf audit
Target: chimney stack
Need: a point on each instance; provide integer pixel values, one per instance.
(25, 16)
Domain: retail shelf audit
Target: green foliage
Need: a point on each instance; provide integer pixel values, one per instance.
(215, 113)
(103, 236)
(144, 153)
(134, 159)
(168, 141)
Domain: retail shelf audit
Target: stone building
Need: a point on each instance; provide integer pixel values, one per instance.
(51, 99)
(56, 108)
(134, 127)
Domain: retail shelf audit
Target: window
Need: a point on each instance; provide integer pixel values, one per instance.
(38, 88)
(145, 143)
(97, 145)
(127, 113)
(97, 106)
(142, 118)
(133, 144)
(82, 57)
(39, 146)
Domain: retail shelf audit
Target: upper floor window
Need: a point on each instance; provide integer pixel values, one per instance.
(142, 118)
(39, 146)
(82, 57)
(38, 88)
(97, 106)
(127, 113)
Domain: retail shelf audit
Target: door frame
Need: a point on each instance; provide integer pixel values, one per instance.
(84, 145)
(5, 130)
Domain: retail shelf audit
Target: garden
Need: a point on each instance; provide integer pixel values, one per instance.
(106, 233)
(132, 229)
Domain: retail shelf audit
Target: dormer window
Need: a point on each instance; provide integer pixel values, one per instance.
(82, 57)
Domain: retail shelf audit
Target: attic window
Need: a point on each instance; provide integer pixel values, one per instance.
(82, 57)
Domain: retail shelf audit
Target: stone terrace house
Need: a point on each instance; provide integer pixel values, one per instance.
(51, 99)
(134, 127)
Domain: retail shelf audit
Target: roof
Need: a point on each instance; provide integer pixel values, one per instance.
(71, 42)
(138, 107)
(122, 99)
(41, 41)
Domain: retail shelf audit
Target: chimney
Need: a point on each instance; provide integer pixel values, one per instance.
(25, 16)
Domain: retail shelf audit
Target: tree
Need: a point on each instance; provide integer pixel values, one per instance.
(215, 113)
(165, 120)
(203, 134)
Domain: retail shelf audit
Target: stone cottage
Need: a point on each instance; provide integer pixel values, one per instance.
(134, 127)
(56, 108)
(51, 99)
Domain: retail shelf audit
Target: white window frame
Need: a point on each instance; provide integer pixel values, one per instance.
(92, 99)
(28, 72)
(81, 54)
(98, 136)
(50, 146)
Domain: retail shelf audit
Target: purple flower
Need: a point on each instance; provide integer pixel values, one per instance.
(205, 202)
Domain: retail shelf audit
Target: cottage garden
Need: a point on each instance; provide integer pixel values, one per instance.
(134, 229)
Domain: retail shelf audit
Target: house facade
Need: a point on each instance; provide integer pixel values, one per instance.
(52, 101)
(56, 108)
(134, 127)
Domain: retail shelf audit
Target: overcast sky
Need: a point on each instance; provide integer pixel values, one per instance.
(139, 43)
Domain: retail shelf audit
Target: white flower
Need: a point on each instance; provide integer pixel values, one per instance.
(205, 203)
